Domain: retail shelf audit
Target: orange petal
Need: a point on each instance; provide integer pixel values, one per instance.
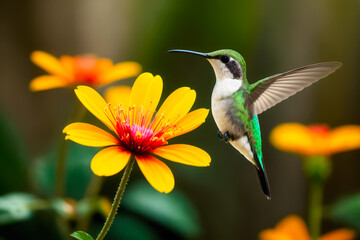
(96, 105)
(146, 92)
(89, 135)
(156, 172)
(118, 96)
(176, 106)
(344, 138)
(293, 137)
(341, 234)
(68, 64)
(185, 154)
(271, 234)
(47, 82)
(191, 121)
(120, 71)
(103, 65)
(49, 63)
(294, 227)
(109, 161)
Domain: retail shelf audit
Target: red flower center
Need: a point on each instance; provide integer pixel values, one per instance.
(138, 139)
(320, 129)
(85, 69)
(133, 132)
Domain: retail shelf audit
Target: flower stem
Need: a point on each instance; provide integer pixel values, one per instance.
(317, 169)
(315, 209)
(117, 199)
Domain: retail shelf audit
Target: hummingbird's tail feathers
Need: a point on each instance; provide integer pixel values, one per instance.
(264, 183)
(257, 159)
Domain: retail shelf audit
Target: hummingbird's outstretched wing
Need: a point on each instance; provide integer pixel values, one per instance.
(269, 91)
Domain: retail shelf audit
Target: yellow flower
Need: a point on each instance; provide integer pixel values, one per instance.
(294, 228)
(83, 69)
(134, 130)
(315, 139)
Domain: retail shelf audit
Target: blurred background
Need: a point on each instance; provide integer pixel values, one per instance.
(223, 201)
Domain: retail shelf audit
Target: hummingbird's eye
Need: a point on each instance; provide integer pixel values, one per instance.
(225, 59)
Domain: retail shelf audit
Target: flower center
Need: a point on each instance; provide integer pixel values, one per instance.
(138, 139)
(85, 69)
(320, 129)
(135, 132)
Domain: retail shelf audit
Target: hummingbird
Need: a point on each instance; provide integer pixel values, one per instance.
(236, 104)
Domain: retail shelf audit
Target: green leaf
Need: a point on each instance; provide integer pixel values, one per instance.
(347, 211)
(173, 211)
(15, 207)
(14, 156)
(81, 235)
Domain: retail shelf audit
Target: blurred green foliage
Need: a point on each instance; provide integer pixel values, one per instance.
(78, 169)
(15, 207)
(13, 158)
(128, 226)
(347, 211)
(173, 211)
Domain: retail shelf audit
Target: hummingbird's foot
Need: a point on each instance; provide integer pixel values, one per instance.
(220, 135)
(224, 136)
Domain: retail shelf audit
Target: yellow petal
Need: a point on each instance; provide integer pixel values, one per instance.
(96, 105)
(118, 95)
(109, 161)
(49, 63)
(185, 154)
(292, 137)
(191, 121)
(176, 106)
(89, 135)
(47, 82)
(293, 226)
(156, 172)
(341, 234)
(344, 138)
(270, 234)
(121, 71)
(146, 92)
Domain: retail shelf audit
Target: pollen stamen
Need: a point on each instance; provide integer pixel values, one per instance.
(136, 132)
(106, 110)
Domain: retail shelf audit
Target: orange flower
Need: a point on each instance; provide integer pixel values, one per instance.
(136, 132)
(82, 69)
(315, 139)
(294, 228)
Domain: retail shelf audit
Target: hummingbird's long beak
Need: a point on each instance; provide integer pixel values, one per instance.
(191, 52)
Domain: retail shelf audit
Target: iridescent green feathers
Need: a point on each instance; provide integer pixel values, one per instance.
(250, 123)
(255, 126)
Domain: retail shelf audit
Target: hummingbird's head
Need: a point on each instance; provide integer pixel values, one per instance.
(227, 64)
